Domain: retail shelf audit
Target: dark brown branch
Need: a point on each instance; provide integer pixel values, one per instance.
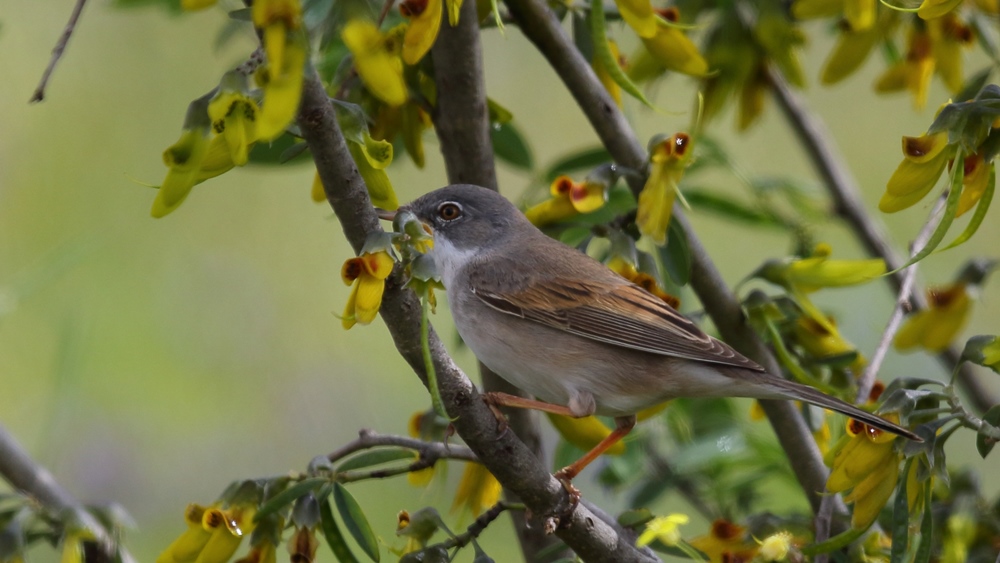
(588, 532)
(461, 120)
(57, 52)
(544, 30)
(843, 188)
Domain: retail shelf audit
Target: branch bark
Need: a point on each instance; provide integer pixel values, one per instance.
(461, 120)
(590, 533)
(542, 28)
(844, 190)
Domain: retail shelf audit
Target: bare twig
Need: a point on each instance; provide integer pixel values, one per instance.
(543, 29)
(590, 533)
(57, 52)
(843, 188)
(368, 439)
(902, 307)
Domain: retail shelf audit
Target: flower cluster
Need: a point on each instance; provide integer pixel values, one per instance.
(213, 535)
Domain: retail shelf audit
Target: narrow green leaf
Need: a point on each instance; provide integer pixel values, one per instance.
(607, 58)
(676, 255)
(901, 519)
(836, 542)
(425, 346)
(290, 495)
(376, 457)
(980, 213)
(279, 151)
(634, 518)
(728, 208)
(356, 522)
(923, 554)
(984, 443)
(510, 146)
(583, 159)
(336, 541)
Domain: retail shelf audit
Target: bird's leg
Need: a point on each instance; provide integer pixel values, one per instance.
(623, 425)
(496, 399)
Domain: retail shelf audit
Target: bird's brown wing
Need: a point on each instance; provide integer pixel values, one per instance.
(621, 314)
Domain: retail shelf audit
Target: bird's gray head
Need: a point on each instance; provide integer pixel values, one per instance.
(467, 216)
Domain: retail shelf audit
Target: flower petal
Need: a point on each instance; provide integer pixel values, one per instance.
(423, 29)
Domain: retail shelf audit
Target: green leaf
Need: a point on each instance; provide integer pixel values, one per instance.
(356, 522)
(634, 518)
(509, 145)
(602, 49)
(376, 457)
(901, 519)
(984, 443)
(290, 495)
(977, 217)
(583, 159)
(676, 255)
(336, 541)
(923, 554)
(726, 207)
(279, 151)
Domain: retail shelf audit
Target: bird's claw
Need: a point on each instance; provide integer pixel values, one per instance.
(565, 478)
(494, 405)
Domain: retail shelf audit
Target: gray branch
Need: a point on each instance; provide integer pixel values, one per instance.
(541, 27)
(843, 188)
(589, 532)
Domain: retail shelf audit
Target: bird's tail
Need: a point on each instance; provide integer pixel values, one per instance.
(790, 390)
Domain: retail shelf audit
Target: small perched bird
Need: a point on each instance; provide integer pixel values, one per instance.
(580, 338)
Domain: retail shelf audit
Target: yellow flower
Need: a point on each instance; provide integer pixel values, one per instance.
(477, 490)
(656, 200)
(276, 19)
(584, 433)
(72, 545)
(282, 85)
(858, 14)
(318, 194)
(822, 341)
(218, 160)
(213, 534)
(303, 545)
(627, 270)
(184, 159)
(638, 14)
(961, 532)
(234, 117)
(367, 273)
(934, 328)
(663, 528)
(949, 35)
(377, 58)
(416, 430)
(852, 48)
(371, 159)
(975, 180)
(930, 9)
(674, 50)
(425, 22)
(868, 464)
(924, 159)
(725, 542)
(569, 199)
(775, 547)
(602, 74)
(914, 72)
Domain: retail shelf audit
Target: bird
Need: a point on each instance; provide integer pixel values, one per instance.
(581, 339)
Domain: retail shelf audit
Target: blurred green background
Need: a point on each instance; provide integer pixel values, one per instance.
(151, 362)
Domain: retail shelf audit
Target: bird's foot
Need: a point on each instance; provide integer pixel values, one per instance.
(565, 477)
(493, 401)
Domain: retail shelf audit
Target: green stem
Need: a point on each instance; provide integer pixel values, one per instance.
(432, 382)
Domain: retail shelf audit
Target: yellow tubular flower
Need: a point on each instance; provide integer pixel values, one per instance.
(860, 14)
(234, 117)
(377, 181)
(930, 9)
(937, 326)
(869, 465)
(72, 546)
(602, 74)
(725, 542)
(663, 528)
(656, 200)
(974, 182)
(184, 159)
(425, 22)
(423, 477)
(276, 19)
(752, 96)
(948, 36)
(218, 160)
(851, 50)
(282, 87)
(674, 50)
(303, 545)
(377, 58)
(569, 199)
(924, 159)
(227, 529)
(367, 273)
(584, 433)
(914, 72)
(477, 490)
(191, 542)
(638, 14)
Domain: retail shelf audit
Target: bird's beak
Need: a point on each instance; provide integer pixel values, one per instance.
(386, 215)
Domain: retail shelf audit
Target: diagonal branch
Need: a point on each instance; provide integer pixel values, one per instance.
(461, 120)
(844, 190)
(592, 534)
(542, 28)
(57, 52)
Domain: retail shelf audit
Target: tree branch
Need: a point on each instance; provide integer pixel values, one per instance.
(368, 439)
(461, 120)
(517, 469)
(843, 188)
(57, 52)
(544, 30)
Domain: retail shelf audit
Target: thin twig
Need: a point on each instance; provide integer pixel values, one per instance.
(57, 52)
(903, 306)
(368, 439)
(843, 188)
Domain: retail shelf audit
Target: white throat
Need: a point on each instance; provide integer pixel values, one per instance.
(449, 259)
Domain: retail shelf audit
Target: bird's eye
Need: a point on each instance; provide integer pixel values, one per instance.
(449, 211)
